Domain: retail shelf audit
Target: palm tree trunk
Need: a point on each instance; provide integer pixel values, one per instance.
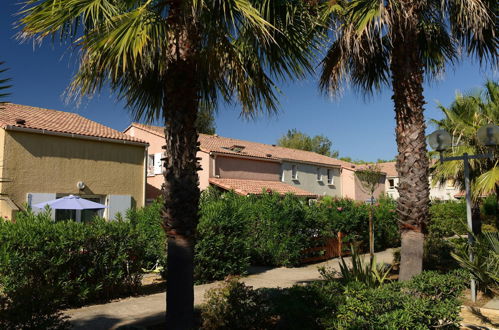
(181, 193)
(180, 190)
(412, 160)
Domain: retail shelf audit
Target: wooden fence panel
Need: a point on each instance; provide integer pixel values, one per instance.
(331, 248)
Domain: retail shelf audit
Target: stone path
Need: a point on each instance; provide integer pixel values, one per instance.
(479, 318)
(151, 309)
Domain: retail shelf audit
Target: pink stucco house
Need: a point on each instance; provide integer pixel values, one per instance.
(250, 167)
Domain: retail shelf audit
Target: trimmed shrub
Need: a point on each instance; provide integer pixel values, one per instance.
(427, 301)
(235, 306)
(447, 219)
(223, 244)
(352, 218)
(279, 230)
(45, 266)
(147, 222)
(386, 229)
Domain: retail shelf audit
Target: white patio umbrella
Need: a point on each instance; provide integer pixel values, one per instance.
(71, 202)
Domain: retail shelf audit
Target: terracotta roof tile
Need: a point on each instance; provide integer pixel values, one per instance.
(57, 121)
(257, 187)
(388, 168)
(229, 146)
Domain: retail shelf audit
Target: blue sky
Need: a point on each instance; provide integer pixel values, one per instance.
(359, 128)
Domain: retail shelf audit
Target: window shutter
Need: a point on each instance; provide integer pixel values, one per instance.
(150, 165)
(157, 163)
(118, 204)
(35, 198)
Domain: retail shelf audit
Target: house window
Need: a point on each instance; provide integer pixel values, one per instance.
(154, 164)
(294, 172)
(150, 165)
(319, 174)
(330, 179)
(391, 183)
(450, 183)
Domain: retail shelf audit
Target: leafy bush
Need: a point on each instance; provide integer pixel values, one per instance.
(347, 216)
(447, 219)
(147, 222)
(235, 306)
(437, 253)
(351, 218)
(299, 307)
(427, 301)
(223, 244)
(386, 229)
(56, 265)
(276, 229)
(279, 229)
(437, 286)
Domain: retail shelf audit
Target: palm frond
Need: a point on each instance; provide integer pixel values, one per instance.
(242, 47)
(486, 183)
(462, 120)
(474, 25)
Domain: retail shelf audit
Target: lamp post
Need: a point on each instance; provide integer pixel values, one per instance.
(440, 141)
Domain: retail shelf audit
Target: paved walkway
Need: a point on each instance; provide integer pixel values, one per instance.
(151, 309)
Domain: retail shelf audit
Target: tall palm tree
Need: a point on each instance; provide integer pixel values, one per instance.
(169, 58)
(397, 43)
(462, 119)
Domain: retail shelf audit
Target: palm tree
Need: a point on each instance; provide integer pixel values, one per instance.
(169, 58)
(462, 119)
(397, 43)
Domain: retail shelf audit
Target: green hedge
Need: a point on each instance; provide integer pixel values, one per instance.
(147, 222)
(46, 266)
(280, 229)
(272, 230)
(447, 219)
(223, 246)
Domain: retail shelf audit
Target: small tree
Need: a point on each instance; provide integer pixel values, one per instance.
(370, 178)
(205, 122)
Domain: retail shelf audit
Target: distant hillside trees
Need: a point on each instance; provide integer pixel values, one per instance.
(320, 144)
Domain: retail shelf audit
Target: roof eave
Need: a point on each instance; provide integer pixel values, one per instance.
(270, 159)
(73, 135)
(311, 163)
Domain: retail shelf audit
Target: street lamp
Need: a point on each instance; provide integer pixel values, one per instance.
(440, 141)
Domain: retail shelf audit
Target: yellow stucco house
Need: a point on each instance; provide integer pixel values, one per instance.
(46, 154)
